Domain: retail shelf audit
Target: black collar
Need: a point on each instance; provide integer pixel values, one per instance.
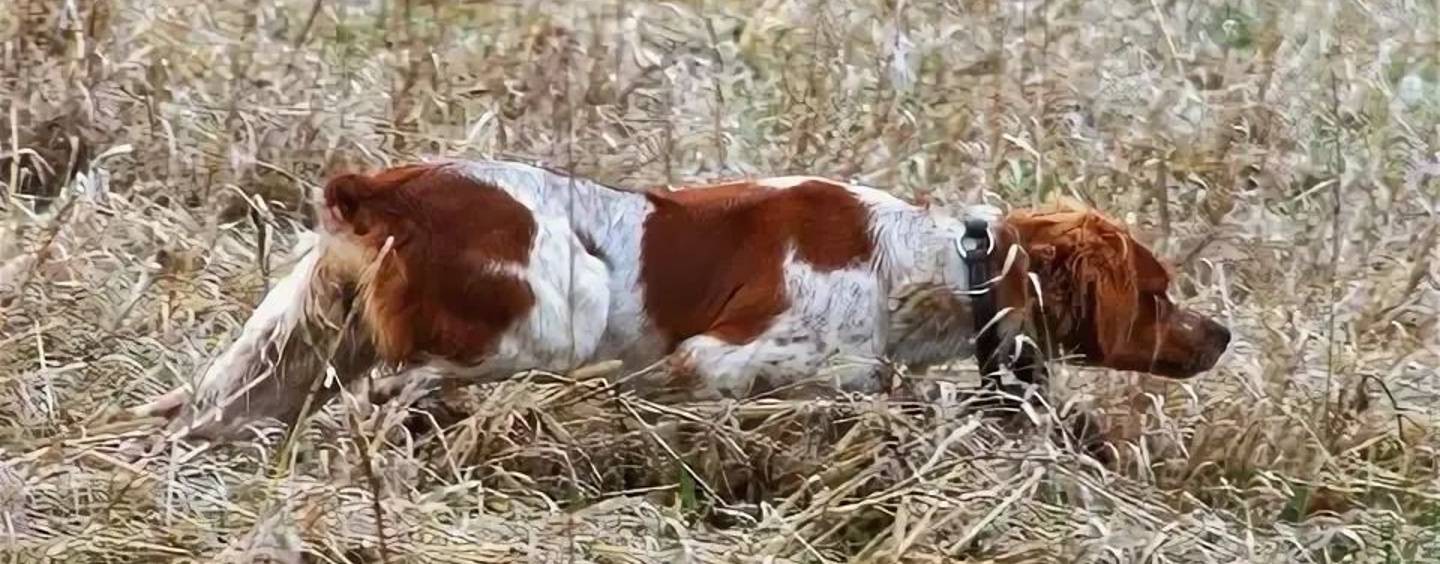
(977, 246)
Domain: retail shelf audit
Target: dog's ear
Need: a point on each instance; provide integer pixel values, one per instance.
(1150, 274)
(345, 192)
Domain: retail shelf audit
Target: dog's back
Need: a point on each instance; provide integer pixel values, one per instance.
(478, 270)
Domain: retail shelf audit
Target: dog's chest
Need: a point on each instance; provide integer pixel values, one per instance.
(929, 324)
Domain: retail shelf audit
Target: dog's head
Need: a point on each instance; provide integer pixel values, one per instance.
(1105, 296)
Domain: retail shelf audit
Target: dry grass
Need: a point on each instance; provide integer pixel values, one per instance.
(1286, 156)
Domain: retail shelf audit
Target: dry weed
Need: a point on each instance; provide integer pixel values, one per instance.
(158, 155)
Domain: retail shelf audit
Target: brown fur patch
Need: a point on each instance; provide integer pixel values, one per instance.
(448, 287)
(1094, 257)
(712, 258)
(1105, 294)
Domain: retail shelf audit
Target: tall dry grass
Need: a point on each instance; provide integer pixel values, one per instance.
(1284, 155)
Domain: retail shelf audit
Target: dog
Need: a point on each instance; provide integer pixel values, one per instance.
(476, 270)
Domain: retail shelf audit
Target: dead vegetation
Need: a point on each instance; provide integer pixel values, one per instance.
(1286, 156)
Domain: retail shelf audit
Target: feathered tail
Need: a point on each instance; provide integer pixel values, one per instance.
(279, 366)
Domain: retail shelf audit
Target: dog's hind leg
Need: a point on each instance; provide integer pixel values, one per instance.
(294, 352)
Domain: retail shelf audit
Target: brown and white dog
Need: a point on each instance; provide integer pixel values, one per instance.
(480, 270)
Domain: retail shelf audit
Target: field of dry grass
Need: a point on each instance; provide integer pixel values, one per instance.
(1285, 156)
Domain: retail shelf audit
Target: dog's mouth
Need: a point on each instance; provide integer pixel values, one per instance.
(1176, 370)
(1199, 363)
(1207, 360)
(1202, 343)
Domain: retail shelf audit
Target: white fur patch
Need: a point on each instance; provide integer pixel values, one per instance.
(564, 327)
(612, 221)
(832, 317)
(781, 182)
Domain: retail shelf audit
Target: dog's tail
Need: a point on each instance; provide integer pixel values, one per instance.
(302, 343)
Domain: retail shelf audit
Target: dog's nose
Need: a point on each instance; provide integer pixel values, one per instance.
(1214, 340)
(1221, 336)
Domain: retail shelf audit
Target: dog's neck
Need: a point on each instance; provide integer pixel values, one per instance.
(930, 317)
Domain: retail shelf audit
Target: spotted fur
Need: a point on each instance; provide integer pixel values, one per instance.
(476, 270)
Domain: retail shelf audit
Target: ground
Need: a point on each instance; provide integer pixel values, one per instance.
(1284, 156)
